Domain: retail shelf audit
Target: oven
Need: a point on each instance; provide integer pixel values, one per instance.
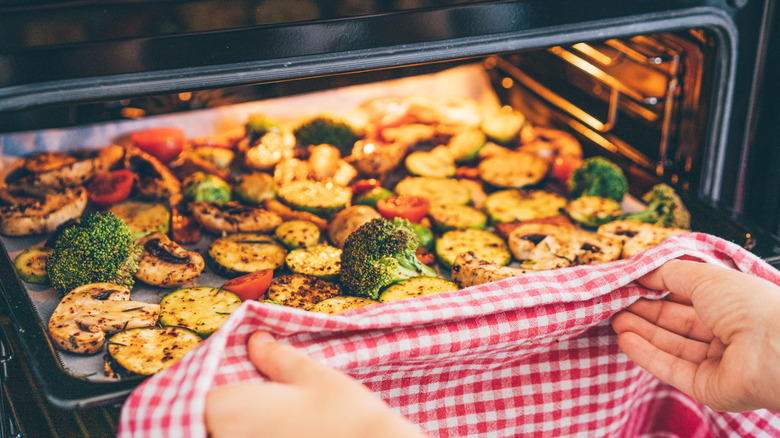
(674, 91)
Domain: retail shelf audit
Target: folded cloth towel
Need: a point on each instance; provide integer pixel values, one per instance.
(532, 355)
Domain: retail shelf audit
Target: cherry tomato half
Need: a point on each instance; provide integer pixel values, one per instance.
(409, 207)
(563, 166)
(363, 185)
(165, 144)
(250, 286)
(109, 188)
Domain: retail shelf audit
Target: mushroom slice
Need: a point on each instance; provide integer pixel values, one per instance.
(26, 210)
(524, 238)
(58, 171)
(648, 238)
(232, 217)
(164, 263)
(81, 320)
(596, 248)
(470, 270)
(552, 252)
(155, 180)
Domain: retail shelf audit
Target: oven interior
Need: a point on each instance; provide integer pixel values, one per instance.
(652, 103)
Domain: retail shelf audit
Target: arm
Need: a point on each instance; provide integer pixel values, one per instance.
(717, 337)
(304, 398)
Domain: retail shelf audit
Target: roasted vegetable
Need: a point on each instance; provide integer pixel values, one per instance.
(202, 187)
(593, 211)
(378, 254)
(664, 208)
(97, 248)
(598, 177)
(30, 264)
(327, 130)
(253, 188)
(258, 124)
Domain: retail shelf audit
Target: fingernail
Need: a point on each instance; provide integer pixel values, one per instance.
(261, 337)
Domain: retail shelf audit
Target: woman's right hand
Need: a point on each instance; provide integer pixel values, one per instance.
(716, 337)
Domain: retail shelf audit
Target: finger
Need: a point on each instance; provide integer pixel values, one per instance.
(671, 369)
(674, 317)
(676, 345)
(279, 362)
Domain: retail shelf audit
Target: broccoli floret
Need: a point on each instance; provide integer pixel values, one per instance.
(378, 254)
(664, 208)
(258, 125)
(598, 177)
(203, 187)
(98, 248)
(327, 130)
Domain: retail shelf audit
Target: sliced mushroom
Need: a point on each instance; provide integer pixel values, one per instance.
(648, 238)
(59, 170)
(155, 180)
(232, 217)
(85, 315)
(26, 210)
(166, 264)
(348, 220)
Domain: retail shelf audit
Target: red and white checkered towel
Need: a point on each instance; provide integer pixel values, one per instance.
(532, 355)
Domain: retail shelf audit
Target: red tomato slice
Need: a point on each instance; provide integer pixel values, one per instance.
(413, 208)
(563, 167)
(165, 144)
(109, 188)
(250, 286)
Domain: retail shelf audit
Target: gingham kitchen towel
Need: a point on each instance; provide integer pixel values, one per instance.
(532, 355)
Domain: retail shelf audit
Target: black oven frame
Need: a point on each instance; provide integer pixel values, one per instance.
(43, 78)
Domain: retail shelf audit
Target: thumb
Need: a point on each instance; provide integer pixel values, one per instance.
(281, 363)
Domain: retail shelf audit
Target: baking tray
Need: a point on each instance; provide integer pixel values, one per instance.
(69, 380)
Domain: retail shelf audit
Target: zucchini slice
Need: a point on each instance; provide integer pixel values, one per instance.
(321, 198)
(446, 217)
(513, 170)
(523, 205)
(416, 287)
(429, 164)
(503, 125)
(297, 233)
(321, 261)
(143, 217)
(437, 190)
(301, 291)
(341, 304)
(201, 309)
(148, 350)
(254, 187)
(484, 244)
(593, 211)
(30, 264)
(465, 146)
(241, 253)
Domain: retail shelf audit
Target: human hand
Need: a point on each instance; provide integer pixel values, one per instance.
(304, 398)
(723, 349)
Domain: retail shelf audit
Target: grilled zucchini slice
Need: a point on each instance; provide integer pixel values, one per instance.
(341, 304)
(321, 261)
(593, 211)
(201, 309)
(503, 125)
(143, 217)
(484, 244)
(446, 217)
(416, 287)
(241, 253)
(30, 264)
(513, 170)
(297, 233)
(436, 190)
(465, 146)
(301, 291)
(321, 198)
(430, 164)
(523, 205)
(148, 350)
